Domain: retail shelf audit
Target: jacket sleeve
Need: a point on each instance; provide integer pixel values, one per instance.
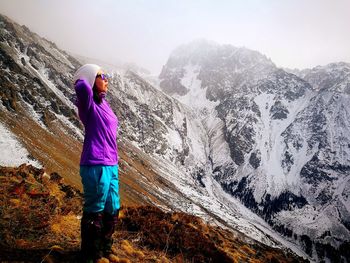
(84, 98)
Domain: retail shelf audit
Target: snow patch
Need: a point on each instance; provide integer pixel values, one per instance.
(13, 153)
(196, 97)
(270, 142)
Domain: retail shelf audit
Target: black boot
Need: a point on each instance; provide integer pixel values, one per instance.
(109, 224)
(91, 237)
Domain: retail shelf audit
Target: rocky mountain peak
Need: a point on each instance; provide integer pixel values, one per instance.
(215, 70)
(331, 77)
(202, 52)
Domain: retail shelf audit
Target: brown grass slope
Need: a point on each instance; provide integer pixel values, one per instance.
(40, 222)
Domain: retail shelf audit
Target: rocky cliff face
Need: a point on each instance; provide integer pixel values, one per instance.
(37, 98)
(286, 138)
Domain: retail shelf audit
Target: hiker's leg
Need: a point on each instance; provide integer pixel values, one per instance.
(111, 210)
(109, 225)
(96, 187)
(91, 232)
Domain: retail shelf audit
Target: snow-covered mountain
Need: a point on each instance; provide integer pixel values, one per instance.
(278, 142)
(236, 129)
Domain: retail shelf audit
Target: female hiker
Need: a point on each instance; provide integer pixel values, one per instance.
(98, 163)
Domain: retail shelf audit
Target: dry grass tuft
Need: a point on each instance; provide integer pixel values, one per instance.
(113, 258)
(124, 260)
(66, 225)
(173, 234)
(131, 251)
(36, 213)
(103, 260)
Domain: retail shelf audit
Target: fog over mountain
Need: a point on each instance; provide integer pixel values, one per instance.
(223, 133)
(293, 33)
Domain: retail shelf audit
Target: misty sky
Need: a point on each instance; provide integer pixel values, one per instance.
(293, 33)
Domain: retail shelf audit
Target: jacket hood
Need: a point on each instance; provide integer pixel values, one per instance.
(87, 72)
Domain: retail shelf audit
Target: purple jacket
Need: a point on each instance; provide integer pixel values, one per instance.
(100, 142)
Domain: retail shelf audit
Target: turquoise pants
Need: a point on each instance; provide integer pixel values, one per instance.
(101, 188)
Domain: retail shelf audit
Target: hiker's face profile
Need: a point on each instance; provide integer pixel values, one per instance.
(101, 82)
